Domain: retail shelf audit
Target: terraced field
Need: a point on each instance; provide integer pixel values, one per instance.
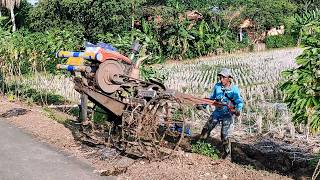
(257, 74)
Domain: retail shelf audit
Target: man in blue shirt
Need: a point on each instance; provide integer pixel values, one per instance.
(231, 103)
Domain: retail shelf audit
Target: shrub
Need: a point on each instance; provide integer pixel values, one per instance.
(32, 95)
(280, 41)
(205, 149)
(302, 85)
(23, 52)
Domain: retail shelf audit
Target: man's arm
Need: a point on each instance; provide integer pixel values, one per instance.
(237, 99)
(213, 97)
(238, 102)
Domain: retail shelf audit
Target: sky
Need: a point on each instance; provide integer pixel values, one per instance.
(32, 1)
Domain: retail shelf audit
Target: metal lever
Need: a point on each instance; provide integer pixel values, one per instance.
(134, 50)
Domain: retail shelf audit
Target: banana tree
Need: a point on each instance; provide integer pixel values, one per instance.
(305, 22)
(176, 40)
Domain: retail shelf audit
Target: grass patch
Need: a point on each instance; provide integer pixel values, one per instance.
(100, 115)
(314, 161)
(205, 149)
(30, 95)
(55, 116)
(249, 167)
(74, 111)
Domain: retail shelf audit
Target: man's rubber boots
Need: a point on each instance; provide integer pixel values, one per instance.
(205, 133)
(226, 147)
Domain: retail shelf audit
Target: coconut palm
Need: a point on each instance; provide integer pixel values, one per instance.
(10, 4)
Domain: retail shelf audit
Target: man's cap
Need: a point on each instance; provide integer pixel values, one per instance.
(225, 72)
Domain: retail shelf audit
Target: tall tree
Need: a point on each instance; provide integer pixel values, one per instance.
(10, 4)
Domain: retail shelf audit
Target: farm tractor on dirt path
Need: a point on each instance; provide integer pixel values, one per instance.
(144, 118)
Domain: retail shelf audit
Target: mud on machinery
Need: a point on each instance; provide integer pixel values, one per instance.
(147, 119)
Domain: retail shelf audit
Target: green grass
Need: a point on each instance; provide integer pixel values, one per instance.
(30, 95)
(55, 116)
(205, 149)
(314, 161)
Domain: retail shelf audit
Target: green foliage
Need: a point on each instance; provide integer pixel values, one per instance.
(302, 88)
(268, 13)
(21, 13)
(265, 14)
(23, 52)
(176, 40)
(94, 17)
(55, 116)
(205, 149)
(162, 28)
(280, 41)
(148, 72)
(304, 23)
(177, 114)
(306, 5)
(307, 17)
(314, 161)
(171, 37)
(75, 111)
(100, 116)
(3, 22)
(187, 4)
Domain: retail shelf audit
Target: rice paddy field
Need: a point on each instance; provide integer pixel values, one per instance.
(258, 75)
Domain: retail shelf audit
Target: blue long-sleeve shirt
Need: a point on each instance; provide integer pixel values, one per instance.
(226, 96)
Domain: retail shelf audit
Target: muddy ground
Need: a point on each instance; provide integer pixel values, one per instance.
(180, 166)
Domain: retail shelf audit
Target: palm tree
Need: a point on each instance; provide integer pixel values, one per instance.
(10, 4)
